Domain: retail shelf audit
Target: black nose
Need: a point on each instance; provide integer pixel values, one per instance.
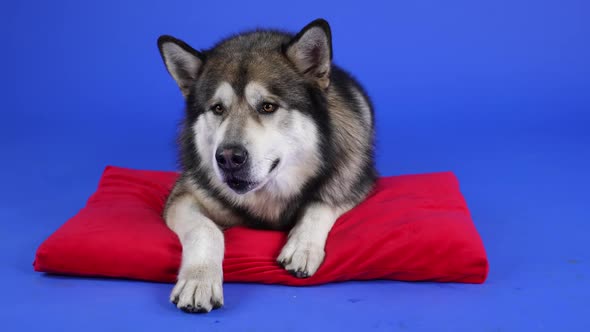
(231, 158)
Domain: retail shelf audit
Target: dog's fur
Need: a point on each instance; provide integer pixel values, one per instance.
(275, 136)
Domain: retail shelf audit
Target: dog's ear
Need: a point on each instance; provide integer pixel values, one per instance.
(182, 61)
(311, 51)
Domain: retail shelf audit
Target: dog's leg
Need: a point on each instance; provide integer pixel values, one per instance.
(199, 284)
(304, 252)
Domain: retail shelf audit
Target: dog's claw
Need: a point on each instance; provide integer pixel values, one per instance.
(188, 308)
(200, 309)
(216, 304)
(299, 273)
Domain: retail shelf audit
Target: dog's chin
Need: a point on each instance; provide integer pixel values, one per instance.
(243, 185)
(240, 186)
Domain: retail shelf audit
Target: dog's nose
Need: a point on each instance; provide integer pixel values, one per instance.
(231, 158)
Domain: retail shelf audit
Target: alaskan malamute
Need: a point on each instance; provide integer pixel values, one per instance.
(275, 136)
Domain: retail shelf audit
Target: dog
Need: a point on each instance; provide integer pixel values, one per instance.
(274, 136)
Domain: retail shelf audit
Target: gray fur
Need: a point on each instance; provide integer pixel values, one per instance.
(309, 161)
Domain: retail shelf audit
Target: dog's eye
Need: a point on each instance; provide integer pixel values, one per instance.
(268, 108)
(217, 108)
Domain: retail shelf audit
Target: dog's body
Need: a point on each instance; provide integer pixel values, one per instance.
(275, 136)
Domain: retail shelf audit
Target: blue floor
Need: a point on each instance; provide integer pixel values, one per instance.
(497, 92)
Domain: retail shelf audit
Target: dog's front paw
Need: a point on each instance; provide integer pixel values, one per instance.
(198, 290)
(302, 259)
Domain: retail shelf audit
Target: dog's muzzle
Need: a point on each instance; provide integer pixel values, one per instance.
(232, 161)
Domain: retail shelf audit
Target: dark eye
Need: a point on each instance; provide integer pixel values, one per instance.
(268, 108)
(217, 108)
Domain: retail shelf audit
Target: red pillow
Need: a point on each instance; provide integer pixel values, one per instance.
(412, 228)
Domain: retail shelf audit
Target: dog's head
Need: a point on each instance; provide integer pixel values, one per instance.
(253, 103)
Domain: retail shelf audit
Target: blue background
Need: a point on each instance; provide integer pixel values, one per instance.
(496, 91)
